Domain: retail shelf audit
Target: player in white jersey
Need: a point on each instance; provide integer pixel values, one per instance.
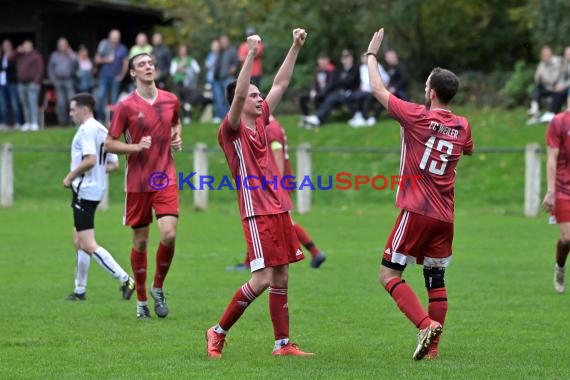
(88, 180)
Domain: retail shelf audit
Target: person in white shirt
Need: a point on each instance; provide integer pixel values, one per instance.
(87, 179)
(366, 108)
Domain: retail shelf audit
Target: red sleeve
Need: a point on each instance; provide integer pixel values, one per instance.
(260, 50)
(273, 131)
(119, 121)
(468, 147)
(405, 112)
(553, 134)
(176, 113)
(265, 112)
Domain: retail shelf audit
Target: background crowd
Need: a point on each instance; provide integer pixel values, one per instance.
(339, 86)
(29, 85)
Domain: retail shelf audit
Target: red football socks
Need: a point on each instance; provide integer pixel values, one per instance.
(437, 307)
(408, 302)
(562, 253)
(279, 310)
(243, 297)
(139, 265)
(306, 240)
(164, 256)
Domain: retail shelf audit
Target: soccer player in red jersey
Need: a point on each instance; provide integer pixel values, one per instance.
(557, 198)
(149, 120)
(278, 143)
(269, 233)
(433, 140)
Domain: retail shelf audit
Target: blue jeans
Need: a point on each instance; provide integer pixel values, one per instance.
(221, 106)
(64, 90)
(9, 100)
(29, 96)
(107, 86)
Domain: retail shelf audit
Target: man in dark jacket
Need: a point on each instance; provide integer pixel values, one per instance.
(29, 72)
(346, 80)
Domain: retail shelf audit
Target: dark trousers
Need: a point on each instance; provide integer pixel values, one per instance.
(556, 98)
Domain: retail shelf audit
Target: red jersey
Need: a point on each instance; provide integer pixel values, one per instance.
(433, 140)
(275, 132)
(136, 117)
(558, 136)
(248, 154)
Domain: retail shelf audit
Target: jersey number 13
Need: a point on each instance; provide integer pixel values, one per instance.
(444, 147)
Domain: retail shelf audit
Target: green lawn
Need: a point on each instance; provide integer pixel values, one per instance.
(504, 320)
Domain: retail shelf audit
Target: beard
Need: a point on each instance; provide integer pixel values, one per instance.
(427, 102)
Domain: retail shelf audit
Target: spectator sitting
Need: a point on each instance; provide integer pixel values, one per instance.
(398, 72)
(323, 77)
(363, 102)
(563, 86)
(546, 77)
(346, 80)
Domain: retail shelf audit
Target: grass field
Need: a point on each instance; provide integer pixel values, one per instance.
(504, 321)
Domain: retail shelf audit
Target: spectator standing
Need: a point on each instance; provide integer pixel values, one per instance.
(112, 56)
(224, 73)
(62, 67)
(29, 72)
(84, 74)
(141, 46)
(210, 62)
(162, 57)
(185, 72)
(9, 87)
(257, 68)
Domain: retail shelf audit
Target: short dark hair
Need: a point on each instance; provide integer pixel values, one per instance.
(445, 84)
(231, 90)
(84, 99)
(132, 59)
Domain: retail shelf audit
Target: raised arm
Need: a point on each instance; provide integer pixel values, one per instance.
(242, 85)
(283, 76)
(377, 86)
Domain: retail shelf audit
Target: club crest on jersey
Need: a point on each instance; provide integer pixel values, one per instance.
(140, 115)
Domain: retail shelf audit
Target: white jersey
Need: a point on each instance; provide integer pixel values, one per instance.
(90, 139)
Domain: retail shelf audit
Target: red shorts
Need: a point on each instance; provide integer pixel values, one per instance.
(139, 206)
(271, 241)
(562, 210)
(421, 239)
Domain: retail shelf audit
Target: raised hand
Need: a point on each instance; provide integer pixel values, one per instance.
(376, 42)
(299, 36)
(253, 42)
